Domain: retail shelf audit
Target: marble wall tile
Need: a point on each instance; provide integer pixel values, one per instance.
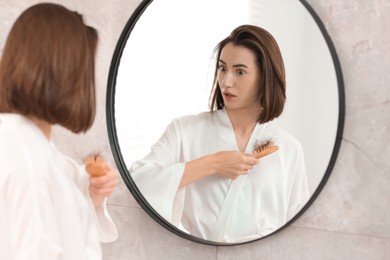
(306, 244)
(141, 238)
(355, 198)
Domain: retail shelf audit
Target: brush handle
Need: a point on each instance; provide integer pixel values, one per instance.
(95, 166)
(266, 152)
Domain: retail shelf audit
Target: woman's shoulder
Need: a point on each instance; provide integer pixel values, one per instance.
(21, 141)
(17, 150)
(12, 131)
(17, 128)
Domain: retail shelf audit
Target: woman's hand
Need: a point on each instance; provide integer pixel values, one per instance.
(102, 181)
(228, 164)
(232, 164)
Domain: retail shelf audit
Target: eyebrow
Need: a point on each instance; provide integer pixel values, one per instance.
(235, 65)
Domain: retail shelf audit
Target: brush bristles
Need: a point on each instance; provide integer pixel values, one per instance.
(264, 148)
(261, 146)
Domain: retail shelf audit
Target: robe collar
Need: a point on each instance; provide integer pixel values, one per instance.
(227, 135)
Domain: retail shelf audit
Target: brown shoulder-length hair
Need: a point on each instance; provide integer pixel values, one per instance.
(272, 88)
(47, 69)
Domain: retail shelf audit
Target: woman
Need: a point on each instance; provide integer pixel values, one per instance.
(202, 175)
(50, 208)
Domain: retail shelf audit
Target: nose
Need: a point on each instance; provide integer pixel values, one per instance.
(226, 80)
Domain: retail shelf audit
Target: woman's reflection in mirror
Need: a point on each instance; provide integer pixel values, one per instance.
(202, 175)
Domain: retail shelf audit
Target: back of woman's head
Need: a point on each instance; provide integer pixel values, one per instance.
(47, 69)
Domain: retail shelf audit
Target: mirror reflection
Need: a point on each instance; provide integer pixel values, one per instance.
(195, 167)
(203, 173)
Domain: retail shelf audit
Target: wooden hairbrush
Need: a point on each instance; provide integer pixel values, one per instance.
(264, 148)
(95, 166)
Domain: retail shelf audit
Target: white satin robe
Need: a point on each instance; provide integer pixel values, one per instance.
(216, 208)
(45, 208)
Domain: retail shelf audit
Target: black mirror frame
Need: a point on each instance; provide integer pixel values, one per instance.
(115, 147)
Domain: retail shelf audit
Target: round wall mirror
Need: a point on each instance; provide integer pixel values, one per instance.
(163, 68)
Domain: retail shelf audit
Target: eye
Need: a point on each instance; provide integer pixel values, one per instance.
(221, 68)
(241, 72)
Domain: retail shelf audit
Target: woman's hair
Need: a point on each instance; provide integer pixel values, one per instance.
(272, 88)
(47, 68)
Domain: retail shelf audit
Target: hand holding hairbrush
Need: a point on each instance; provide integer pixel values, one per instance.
(264, 148)
(102, 179)
(95, 166)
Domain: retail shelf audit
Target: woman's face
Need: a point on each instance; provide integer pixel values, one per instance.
(238, 77)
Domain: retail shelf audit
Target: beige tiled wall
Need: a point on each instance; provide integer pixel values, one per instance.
(351, 217)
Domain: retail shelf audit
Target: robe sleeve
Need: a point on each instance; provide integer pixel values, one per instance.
(106, 228)
(300, 191)
(158, 175)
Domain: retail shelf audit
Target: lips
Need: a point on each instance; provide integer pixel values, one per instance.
(228, 94)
